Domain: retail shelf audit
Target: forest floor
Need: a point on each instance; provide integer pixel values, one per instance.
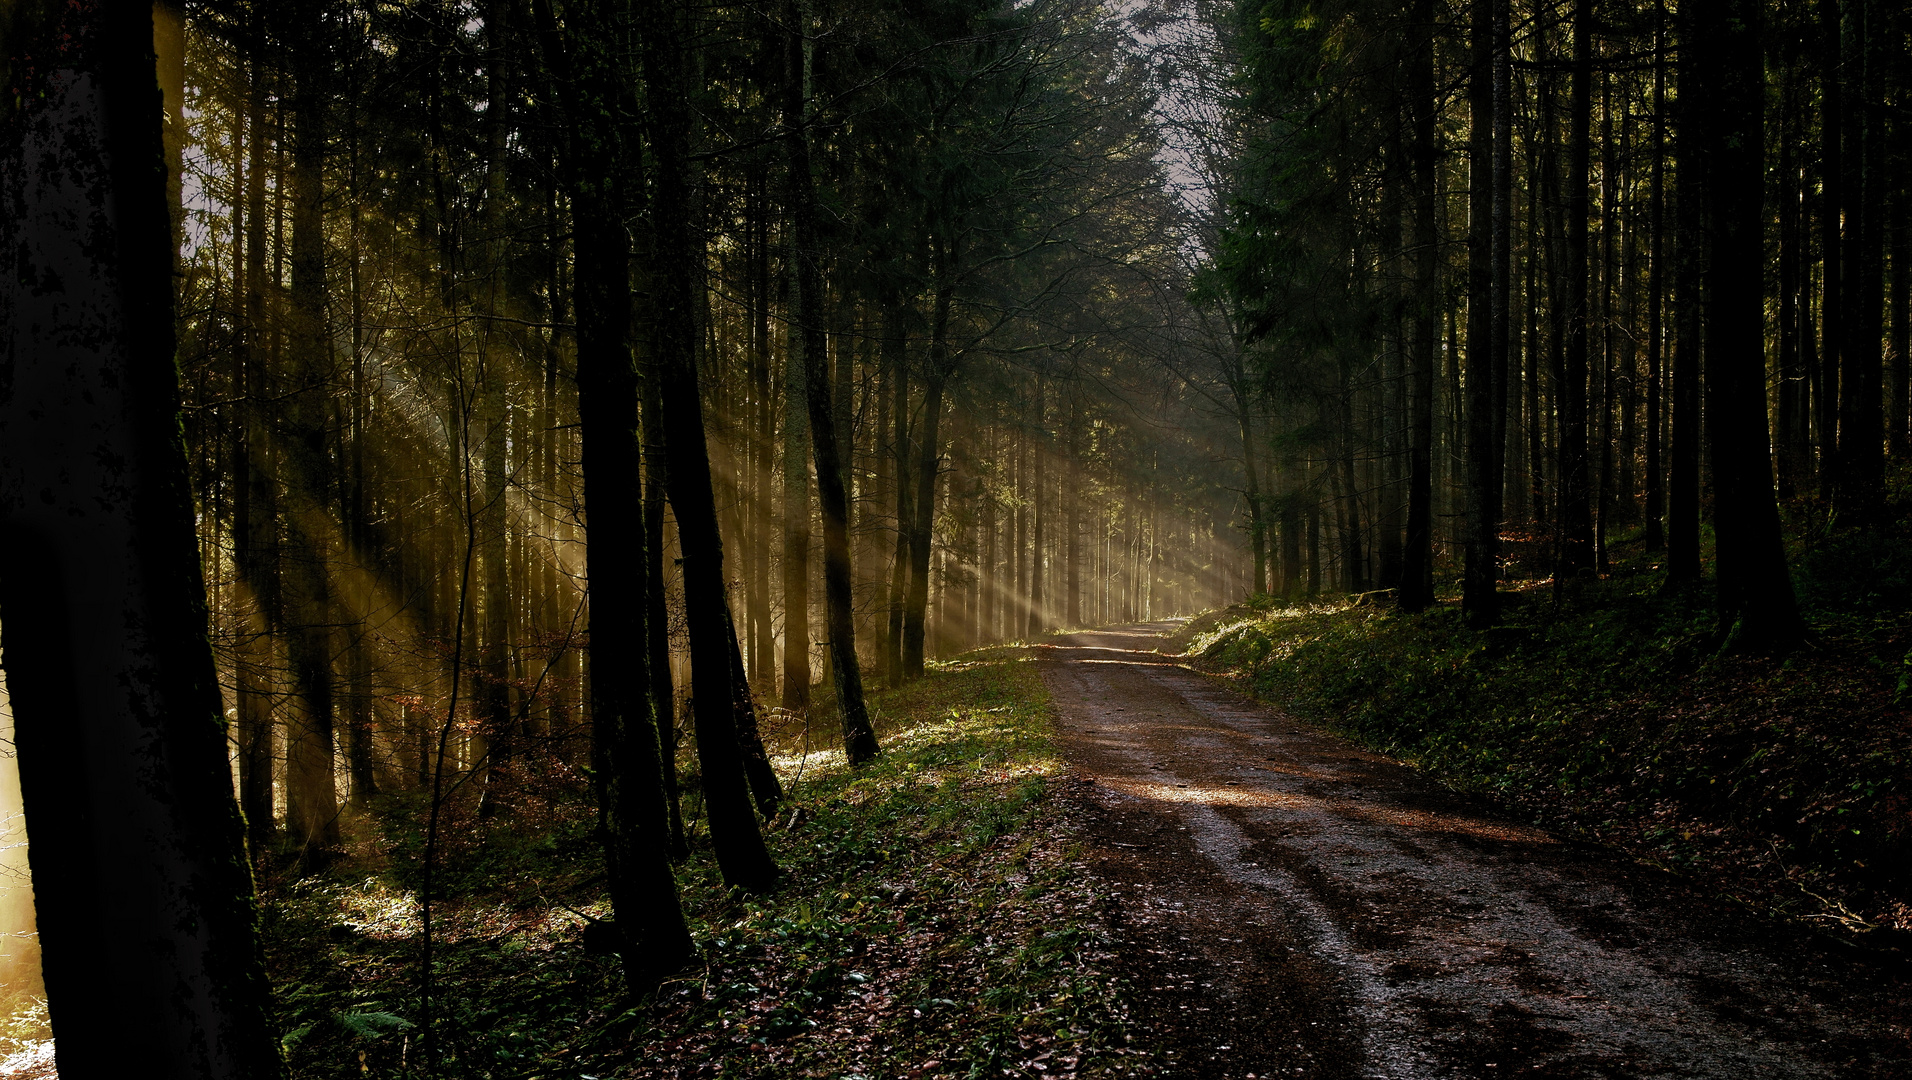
(1083, 859)
(1291, 905)
(935, 921)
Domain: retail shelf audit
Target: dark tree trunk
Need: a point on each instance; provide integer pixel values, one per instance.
(311, 791)
(1899, 404)
(1576, 516)
(923, 503)
(494, 681)
(255, 524)
(143, 898)
(1860, 479)
(859, 739)
(1792, 398)
(762, 666)
(741, 854)
(1244, 421)
(1348, 514)
(1036, 598)
(632, 818)
(662, 691)
(1501, 265)
(894, 351)
(1480, 573)
(1683, 482)
(1756, 605)
(796, 506)
(1314, 544)
(1072, 516)
(765, 788)
(1655, 536)
(1417, 568)
(1831, 204)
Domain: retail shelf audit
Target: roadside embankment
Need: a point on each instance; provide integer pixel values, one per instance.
(1785, 783)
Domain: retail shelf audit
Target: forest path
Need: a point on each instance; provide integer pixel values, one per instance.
(1291, 905)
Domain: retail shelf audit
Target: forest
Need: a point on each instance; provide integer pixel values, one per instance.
(550, 537)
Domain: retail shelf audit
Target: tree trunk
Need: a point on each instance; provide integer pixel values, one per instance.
(923, 503)
(741, 855)
(255, 524)
(1655, 536)
(311, 790)
(765, 788)
(1831, 204)
(1683, 481)
(762, 666)
(1899, 414)
(1036, 598)
(895, 351)
(1072, 518)
(796, 515)
(808, 346)
(633, 826)
(1756, 604)
(1860, 484)
(1481, 574)
(661, 687)
(143, 899)
(1792, 398)
(494, 369)
(1241, 393)
(1417, 566)
(1576, 517)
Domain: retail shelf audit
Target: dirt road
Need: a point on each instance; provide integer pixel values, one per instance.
(1290, 905)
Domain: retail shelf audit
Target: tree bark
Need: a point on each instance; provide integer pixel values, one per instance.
(923, 504)
(1831, 204)
(1036, 598)
(256, 525)
(1756, 605)
(741, 855)
(661, 688)
(859, 739)
(796, 508)
(311, 790)
(1860, 481)
(1257, 530)
(1899, 403)
(1683, 480)
(1480, 574)
(143, 898)
(632, 819)
(1417, 567)
(494, 685)
(1576, 517)
(1655, 535)
(762, 666)
(895, 353)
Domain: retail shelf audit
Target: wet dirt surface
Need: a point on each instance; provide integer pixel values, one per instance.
(1291, 905)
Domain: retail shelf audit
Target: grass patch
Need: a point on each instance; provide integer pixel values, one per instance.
(1786, 783)
(932, 925)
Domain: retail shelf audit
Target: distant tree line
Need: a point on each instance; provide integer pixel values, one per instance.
(1514, 283)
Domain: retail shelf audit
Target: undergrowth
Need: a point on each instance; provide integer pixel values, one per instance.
(931, 924)
(1783, 782)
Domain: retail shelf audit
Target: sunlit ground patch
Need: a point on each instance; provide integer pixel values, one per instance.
(1395, 817)
(26, 1040)
(33, 1060)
